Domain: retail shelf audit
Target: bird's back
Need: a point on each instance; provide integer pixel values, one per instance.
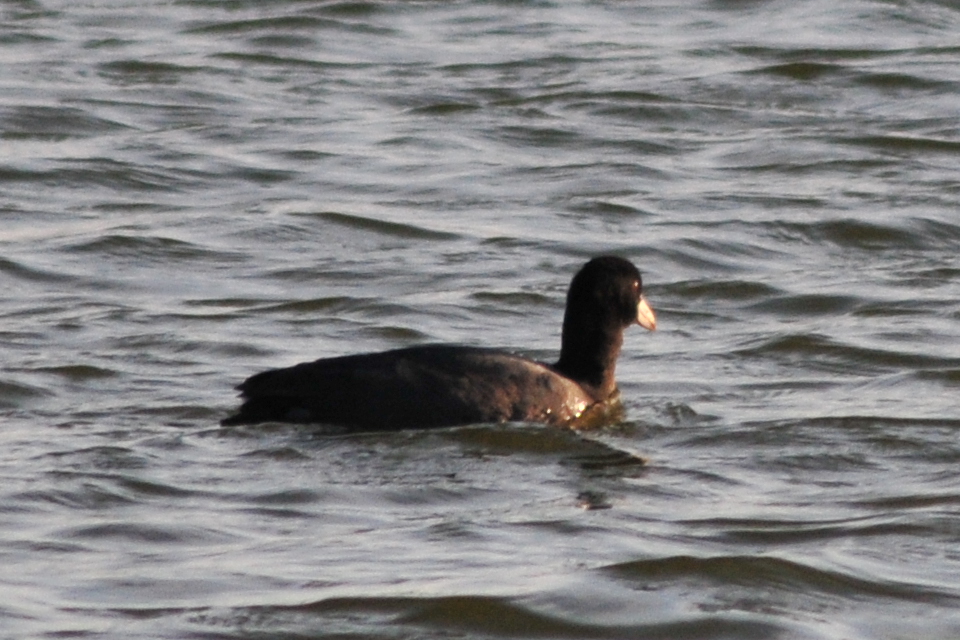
(425, 386)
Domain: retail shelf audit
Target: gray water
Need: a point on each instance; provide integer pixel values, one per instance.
(194, 191)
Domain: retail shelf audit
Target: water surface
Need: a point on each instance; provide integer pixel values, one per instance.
(194, 191)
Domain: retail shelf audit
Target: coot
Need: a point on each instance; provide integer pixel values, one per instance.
(444, 385)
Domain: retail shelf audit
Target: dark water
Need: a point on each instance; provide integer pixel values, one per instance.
(193, 191)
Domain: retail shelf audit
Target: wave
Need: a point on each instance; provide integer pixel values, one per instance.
(774, 574)
(478, 616)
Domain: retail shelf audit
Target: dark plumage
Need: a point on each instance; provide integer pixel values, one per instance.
(440, 385)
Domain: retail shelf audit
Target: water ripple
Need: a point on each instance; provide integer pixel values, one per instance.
(194, 191)
(775, 574)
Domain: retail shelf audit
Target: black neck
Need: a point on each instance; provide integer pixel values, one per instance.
(588, 353)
